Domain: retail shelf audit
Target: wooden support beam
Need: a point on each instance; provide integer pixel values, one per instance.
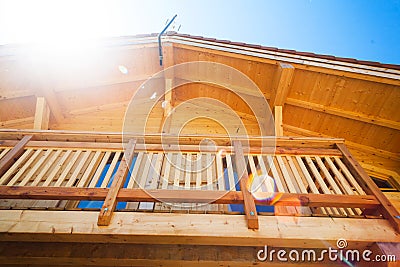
(278, 120)
(110, 203)
(281, 84)
(53, 103)
(344, 113)
(9, 159)
(169, 76)
(42, 114)
(173, 228)
(388, 210)
(249, 205)
(187, 196)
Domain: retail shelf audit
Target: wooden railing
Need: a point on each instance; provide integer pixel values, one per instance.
(309, 176)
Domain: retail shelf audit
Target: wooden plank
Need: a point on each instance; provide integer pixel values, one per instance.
(35, 168)
(167, 169)
(209, 171)
(388, 211)
(281, 84)
(4, 152)
(46, 167)
(57, 168)
(68, 168)
(249, 205)
(53, 104)
(139, 228)
(110, 170)
(344, 113)
(5, 178)
(11, 157)
(231, 177)
(268, 182)
(187, 196)
(110, 202)
(95, 161)
(25, 167)
(278, 120)
(100, 169)
(42, 114)
(78, 170)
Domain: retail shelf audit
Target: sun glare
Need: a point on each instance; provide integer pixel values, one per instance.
(56, 30)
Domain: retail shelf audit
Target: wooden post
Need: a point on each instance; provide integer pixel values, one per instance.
(249, 204)
(110, 202)
(9, 159)
(281, 84)
(278, 120)
(387, 209)
(42, 114)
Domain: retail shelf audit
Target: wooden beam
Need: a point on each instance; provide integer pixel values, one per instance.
(187, 196)
(110, 203)
(286, 150)
(388, 210)
(169, 75)
(173, 228)
(281, 84)
(17, 122)
(344, 113)
(249, 205)
(9, 159)
(368, 149)
(111, 254)
(309, 65)
(42, 114)
(278, 120)
(53, 103)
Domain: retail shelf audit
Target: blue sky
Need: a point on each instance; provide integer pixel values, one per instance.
(366, 30)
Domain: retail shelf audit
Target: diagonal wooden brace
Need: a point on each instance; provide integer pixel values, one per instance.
(249, 204)
(110, 202)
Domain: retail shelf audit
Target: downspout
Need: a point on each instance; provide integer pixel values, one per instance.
(159, 40)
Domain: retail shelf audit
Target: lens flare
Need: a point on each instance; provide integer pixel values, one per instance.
(257, 182)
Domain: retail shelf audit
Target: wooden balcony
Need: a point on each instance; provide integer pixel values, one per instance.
(81, 187)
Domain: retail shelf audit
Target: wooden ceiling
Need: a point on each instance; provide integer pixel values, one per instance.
(320, 96)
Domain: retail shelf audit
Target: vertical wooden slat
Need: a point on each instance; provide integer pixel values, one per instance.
(12, 156)
(249, 205)
(349, 176)
(110, 170)
(134, 179)
(209, 174)
(46, 167)
(78, 169)
(58, 167)
(177, 170)
(95, 161)
(220, 178)
(100, 169)
(309, 180)
(231, 177)
(14, 167)
(27, 165)
(333, 184)
(198, 171)
(321, 182)
(146, 172)
(110, 202)
(167, 169)
(388, 210)
(35, 168)
(275, 174)
(4, 152)
(68, 168)
(269, 183)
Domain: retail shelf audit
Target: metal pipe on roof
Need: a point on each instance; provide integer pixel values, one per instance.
(159, 39)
